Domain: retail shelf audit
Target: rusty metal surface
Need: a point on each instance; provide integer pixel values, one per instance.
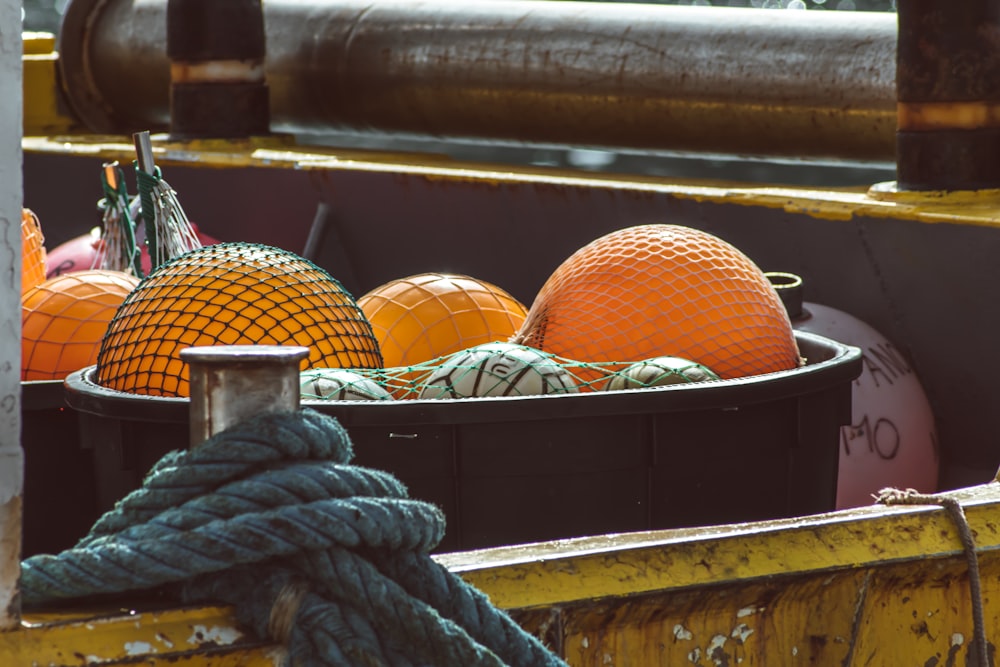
(707, 79)
(948, 54)
(218, 109)
(631, 565)
(948, 82)
(871, 586)
(147, 635)
(216, 41)
(901, 614)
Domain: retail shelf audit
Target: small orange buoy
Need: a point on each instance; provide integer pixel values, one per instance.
(231, 294)
(64, 319)
(431, 315)
(663, 290)
(32, 251)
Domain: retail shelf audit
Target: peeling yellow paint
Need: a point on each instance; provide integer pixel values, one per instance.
(121, 637)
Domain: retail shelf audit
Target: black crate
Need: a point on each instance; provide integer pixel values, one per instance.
(60, 496)
(510, 470)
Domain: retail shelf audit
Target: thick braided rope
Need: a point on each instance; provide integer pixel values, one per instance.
(425, 579)
(183, 475)
(271, 507)
(348, 609)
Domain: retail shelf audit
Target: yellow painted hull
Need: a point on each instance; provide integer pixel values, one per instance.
(872, 586)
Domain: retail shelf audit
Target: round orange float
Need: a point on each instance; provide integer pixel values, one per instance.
(663, 290)
(64, 319)
(231, 294)
(32, 251)
(431, 315)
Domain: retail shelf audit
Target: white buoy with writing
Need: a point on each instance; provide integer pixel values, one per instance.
(892, 439)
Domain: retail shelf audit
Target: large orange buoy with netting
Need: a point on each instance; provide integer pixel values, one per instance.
(32, 251)
(431, 315)
(64, 319)
(231, 294)
(663, 290)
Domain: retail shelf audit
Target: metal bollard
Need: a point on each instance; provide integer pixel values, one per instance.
(230, 383)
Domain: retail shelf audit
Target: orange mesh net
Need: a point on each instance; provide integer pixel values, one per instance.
(64, 319)
(231, 294)
(32, 251)
(655, 290)
(430, 315)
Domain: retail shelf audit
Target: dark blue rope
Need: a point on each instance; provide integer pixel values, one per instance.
(271, 506)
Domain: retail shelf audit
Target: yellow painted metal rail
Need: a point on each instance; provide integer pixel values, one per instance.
(882, 200)
(872, 586)
(202, 637)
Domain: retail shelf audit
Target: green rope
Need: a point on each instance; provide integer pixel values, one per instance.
(145, 184)
(116, 199)
(269, 517)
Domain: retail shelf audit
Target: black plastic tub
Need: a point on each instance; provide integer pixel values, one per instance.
(60, 494)
(520, 469)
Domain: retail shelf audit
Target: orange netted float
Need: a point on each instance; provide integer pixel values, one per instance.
(663, 290)
(432, 315)
(64, 319)
(32, 251)
(231, 294)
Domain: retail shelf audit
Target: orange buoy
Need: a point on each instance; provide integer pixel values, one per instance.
(32, 251)
(431, 315)
(663, 290)
(231, 294)
(64, 318)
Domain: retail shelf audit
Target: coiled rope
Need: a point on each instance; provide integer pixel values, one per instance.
(329, 559)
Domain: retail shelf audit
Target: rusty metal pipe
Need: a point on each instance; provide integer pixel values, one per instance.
(700, 79)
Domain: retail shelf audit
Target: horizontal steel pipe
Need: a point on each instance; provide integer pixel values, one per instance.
(700, 79)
